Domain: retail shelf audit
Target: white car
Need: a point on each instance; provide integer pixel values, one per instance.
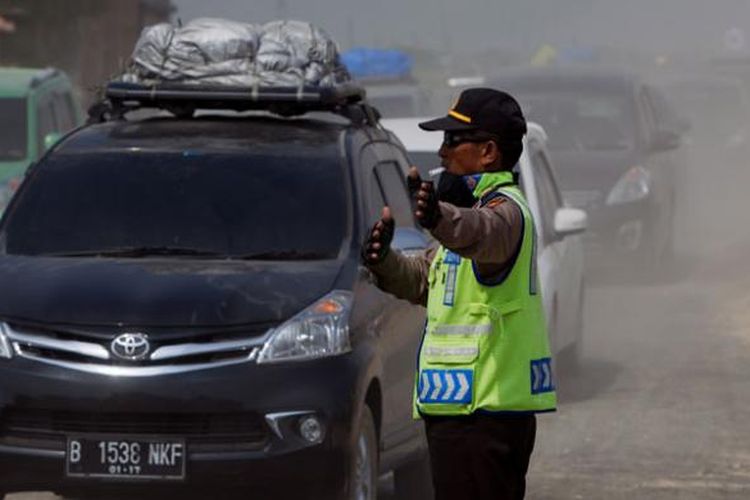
(560, 250)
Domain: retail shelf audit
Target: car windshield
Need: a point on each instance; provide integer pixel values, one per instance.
(715, 111)
(262, 206)
(582, 120)
(13, 129)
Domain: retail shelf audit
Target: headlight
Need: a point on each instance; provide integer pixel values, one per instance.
(633, 186)
(318, 331)
(6, 351)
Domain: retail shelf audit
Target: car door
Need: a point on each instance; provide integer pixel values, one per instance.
(658, 163)
(555, 263)
(673, 161)
(403, 322)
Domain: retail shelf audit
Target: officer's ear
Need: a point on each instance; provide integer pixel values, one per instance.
(490, 153)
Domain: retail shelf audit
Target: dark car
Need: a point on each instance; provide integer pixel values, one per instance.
(718, 108)
(183, 309)
(617, 145)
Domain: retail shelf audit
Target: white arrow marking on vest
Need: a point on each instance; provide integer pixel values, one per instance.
(425, 386)
(450, 385)
(547, 376)
(537, 376)
(463, 386)
(438, 385)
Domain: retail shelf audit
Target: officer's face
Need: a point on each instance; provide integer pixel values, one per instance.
(465, 155)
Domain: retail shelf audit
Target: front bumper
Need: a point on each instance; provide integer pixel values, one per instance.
(240, 424)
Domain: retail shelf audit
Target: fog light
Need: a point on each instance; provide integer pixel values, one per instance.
(311, 429)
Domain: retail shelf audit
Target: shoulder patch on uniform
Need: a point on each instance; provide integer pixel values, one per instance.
(495, 202)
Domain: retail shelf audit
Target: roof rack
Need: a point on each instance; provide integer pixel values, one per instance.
(183, 99)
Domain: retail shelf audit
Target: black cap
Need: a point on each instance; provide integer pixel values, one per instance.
(482, 109)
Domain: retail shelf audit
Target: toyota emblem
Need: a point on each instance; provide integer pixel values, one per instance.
(131, 346)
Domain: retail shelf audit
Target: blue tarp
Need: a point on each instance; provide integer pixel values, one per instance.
(377, 63)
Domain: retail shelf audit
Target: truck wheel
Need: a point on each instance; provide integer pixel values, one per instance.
(363, 477)
(413, 481)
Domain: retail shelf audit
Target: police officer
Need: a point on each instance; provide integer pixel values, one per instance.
(484, 367)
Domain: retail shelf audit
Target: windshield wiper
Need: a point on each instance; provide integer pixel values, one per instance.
(283, 255)
(144, 251)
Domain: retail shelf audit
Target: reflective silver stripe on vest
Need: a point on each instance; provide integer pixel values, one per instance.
(463, 329)
(451, 351)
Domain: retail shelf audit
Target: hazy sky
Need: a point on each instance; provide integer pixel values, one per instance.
(659, 25)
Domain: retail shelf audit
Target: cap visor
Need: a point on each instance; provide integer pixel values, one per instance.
(446, 123)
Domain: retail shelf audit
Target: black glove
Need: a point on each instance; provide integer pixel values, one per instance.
(427, 207)
(453, 189)
(378, 242)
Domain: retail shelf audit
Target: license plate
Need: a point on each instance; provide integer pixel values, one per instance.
(119, 457)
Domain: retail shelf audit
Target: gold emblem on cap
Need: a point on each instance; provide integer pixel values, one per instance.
(455, 114)
(459, 116)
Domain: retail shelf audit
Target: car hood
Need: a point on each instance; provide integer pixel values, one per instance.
(593, 170)
(159, 292)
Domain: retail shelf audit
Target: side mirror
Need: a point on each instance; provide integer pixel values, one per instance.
(409, 241)
(664, 140)
(570, 221)
(51, 139)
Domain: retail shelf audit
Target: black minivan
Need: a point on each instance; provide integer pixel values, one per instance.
(183, 309)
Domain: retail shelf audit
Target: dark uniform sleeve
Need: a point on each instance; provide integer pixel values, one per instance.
(489, 235)
(405, 277)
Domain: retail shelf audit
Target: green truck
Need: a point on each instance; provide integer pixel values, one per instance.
(37, 107)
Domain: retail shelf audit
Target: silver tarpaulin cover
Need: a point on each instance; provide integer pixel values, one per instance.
(222, 52)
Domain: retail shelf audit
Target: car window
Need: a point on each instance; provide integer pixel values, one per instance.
(582, 120)
(549, 196)
(45, 122)
(13, 129)
(393, 184)
(231, 204)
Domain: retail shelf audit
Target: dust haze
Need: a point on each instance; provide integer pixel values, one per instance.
(656, 403)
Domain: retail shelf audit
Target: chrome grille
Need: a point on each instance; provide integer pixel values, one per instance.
(93, 355)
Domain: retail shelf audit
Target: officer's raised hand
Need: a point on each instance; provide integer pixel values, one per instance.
(413, 181)
(378, 243)
(426, 207)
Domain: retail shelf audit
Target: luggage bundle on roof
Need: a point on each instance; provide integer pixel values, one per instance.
(221, 52)
(287, 67)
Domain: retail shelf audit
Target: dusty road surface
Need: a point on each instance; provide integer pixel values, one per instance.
(660, 406)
